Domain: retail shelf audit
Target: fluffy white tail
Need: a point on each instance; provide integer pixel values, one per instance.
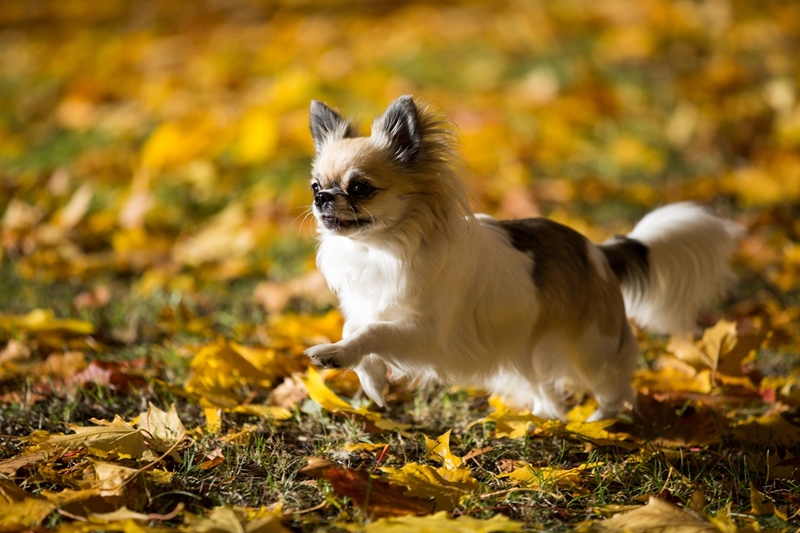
(684, 266)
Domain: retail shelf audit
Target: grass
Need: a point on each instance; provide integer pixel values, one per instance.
(261, 464)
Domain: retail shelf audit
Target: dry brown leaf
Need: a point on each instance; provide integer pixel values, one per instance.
(14, 351)
(63, 365)
(116, 438)
(657, 516)
(289, 393)
(10, 466)
(164, 426)
(213, 459)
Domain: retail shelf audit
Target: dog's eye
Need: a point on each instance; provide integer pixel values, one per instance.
(361, 189)
(315, 187)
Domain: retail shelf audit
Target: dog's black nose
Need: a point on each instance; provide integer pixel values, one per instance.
(322, 198)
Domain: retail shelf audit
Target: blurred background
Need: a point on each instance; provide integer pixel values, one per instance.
(166, 143)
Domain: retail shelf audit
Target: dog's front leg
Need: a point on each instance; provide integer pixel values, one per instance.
(392, 341)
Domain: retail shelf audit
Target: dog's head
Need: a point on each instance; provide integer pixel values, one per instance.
(366, 186)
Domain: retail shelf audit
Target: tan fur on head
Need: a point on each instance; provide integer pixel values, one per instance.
(408, 162)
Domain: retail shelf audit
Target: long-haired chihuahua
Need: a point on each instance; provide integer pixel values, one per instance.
(528, 309)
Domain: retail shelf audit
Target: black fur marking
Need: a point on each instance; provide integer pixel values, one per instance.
(629, 259)
(401, 125)
(328, 124)
(550, 243)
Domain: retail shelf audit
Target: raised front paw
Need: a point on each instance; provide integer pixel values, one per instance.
(326, 356)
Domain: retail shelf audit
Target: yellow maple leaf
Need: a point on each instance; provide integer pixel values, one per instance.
(508, 423)
(218, 370)
(540, 477)
(363, 446)
(759, 504)
(672, 374)
(439, 450)
(20, 508)
(717, 341)
(44, 321)
(447, 487)
(440, 522)
(268, 412)
(235, 520)
(331, 402)
(600, 431)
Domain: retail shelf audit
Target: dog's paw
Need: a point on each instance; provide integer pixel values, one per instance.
(327, 356)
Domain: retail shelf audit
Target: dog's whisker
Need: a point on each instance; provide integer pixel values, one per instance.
(302, 223)
(306, 211)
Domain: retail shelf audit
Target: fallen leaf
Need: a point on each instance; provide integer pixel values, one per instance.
(705, 353)
(230, 520)
(602, 432)
(125, 514)
(71, 214)
(541, 477)
(44, 321)
(446, 486)
(63, 365)
(164, 426)
(116, 438)
(508, 424)
(376, 497)
(213, 459)
(672, 375)
(721, 349)
(289, 393)
(311, 287)
(329, 401)
(19, 508)
(361, 446)
(439, 450)
(267, 412)
(97, 297)
(440, 522)
(770, 429)
(657, 516)
(759, 505)
(477, 452)
(14, 351)
(10, 466)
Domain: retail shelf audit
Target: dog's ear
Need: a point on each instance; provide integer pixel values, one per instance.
(327, 125)
(399, 128)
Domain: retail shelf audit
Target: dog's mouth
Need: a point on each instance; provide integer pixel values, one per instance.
(334, 223)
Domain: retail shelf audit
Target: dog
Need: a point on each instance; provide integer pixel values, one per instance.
(528, 309)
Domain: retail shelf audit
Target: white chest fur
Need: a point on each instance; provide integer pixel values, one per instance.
(369, 282)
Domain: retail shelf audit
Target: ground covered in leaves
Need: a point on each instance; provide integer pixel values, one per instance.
(157, 287)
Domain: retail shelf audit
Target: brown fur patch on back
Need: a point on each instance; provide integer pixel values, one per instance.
(572, 291)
